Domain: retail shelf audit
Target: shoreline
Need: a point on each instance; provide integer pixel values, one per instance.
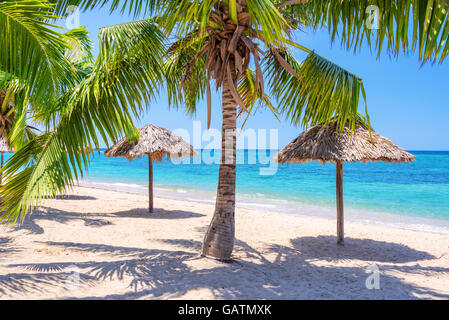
(358, 215)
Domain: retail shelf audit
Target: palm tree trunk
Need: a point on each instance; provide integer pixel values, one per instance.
(219, 239)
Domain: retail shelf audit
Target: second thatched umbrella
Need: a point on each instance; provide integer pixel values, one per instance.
(326, 143)
(155, 142)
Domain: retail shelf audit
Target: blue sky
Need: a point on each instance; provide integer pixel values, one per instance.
(407, 103)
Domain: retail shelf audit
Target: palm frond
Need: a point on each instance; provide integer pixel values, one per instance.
(31, 49)
(247, 88)
(322, 91)
(178, 68)
(133, 8)
(80, 51)
(185, 16)
(253, 101)
(101, 105)
(266, 18)
(139, 43)
(123, 37)
(407, 25)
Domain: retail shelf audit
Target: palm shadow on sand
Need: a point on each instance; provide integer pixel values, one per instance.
(158, 213)
(326, 248)
(7, 247)
(292, 274)
(96, 219)
(18, 283)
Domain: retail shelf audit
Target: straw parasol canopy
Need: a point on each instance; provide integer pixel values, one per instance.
(155, 142)
(325, 143)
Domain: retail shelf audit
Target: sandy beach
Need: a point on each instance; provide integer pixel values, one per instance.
(98, 244)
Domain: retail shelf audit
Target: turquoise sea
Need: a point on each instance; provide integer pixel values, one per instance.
(403, 194)
(372, 191)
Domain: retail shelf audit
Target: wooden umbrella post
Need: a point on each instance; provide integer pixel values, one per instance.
(340, 219)
(150, 183)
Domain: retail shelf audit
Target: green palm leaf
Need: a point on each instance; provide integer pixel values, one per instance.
(406, 25)
(31, 49)
(252, 100)
(322, 91)
(176, 63)
(102, 104)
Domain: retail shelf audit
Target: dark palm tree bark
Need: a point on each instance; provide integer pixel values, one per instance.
(219, 239)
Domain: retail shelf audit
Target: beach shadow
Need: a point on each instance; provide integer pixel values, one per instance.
(343, 282)
(7, 247)
(30, 223)
(146, 267)
(153, 273)
(158, 213)
(192, 244)
(23, 283)
(117, 251)
(326, 248)
(95, 219)
(5, 241)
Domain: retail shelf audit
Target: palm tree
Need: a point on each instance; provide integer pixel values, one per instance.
(244, 46)
(222, 44)
(34, 66)
(83, 100)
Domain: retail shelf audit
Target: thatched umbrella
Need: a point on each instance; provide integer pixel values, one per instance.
(4, 147)
(155, 142)
(326, 143)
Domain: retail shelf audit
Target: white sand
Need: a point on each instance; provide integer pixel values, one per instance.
(122, 252)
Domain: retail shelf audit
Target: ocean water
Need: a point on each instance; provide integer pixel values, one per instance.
(419, 189)
(415, 194)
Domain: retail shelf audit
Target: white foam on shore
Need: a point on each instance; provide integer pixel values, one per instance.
(111, 185)
(287, 207)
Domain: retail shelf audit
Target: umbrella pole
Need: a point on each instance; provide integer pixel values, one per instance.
(340, 220)
(150, 183)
